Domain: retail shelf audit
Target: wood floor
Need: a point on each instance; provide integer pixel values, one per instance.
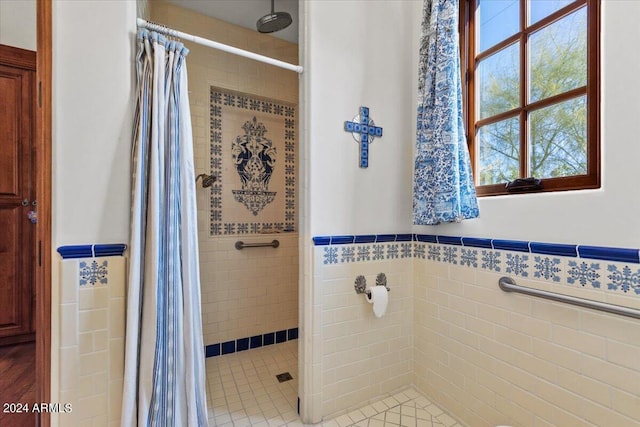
(17, 384)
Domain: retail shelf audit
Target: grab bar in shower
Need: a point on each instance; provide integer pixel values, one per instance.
(507, 284)
(241, 245)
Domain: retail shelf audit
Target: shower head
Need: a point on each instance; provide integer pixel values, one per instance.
(274, 21)
(207, 180)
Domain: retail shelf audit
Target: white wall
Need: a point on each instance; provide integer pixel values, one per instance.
(607, 216)
(93, 84)
(18, 23)
(360, 53)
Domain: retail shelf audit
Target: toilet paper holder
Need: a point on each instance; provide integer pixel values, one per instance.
(361, 284)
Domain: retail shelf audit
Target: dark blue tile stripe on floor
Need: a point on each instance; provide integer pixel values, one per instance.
(247, 343)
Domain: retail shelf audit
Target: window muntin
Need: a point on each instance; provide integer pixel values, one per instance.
(532, 92)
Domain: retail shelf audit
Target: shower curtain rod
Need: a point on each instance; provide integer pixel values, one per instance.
(210, 43)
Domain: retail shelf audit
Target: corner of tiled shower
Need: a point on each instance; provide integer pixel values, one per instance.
(243, 391)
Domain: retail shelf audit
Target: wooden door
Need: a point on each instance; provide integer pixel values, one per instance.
(17, 76)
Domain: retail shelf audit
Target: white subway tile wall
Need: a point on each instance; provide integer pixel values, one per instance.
(491, 357)
(250, 291)
(360, 357)
(91, 342)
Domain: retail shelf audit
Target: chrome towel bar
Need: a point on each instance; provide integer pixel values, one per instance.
(241, 245)
(507, 284)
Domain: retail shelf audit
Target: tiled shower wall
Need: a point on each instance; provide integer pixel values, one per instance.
(91, 342)
(361, 357)
(490, 357)
(252, 291)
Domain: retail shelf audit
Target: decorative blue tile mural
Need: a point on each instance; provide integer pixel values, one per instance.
(256, 138)
(254, 157)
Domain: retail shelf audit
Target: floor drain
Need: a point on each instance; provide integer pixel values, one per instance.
(286, 376)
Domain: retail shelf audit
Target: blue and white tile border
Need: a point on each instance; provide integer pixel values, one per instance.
(93, 268)
(596, 267)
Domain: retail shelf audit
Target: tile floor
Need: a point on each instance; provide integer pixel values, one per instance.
(243, 391)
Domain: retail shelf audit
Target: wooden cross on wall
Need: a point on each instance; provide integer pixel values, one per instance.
(364, 130)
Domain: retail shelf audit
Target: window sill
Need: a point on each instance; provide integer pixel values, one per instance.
(583, 182)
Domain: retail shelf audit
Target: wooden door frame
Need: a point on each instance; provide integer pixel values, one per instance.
(42, 143)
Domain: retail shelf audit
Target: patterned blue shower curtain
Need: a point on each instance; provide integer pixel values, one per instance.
(164, 382)
(443, 189)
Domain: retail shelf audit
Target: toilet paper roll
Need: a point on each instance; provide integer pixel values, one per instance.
(379, 299)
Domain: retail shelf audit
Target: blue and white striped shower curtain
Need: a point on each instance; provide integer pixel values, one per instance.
(164, 383)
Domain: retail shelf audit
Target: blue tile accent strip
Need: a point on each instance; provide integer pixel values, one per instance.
(212, 350)
(450, 240)
(342, 240)
(553, 249)
(609, 254)
(109, 249)
(79, 251)
(366, 238)
(228, 347)
(242, 344)
(247, 343)
(430, 238)
(292, 334)
(557, 249)
(256, 341)
(90, 251)
(511, 245)
(268, 339)
(322, 240)
(477, 243)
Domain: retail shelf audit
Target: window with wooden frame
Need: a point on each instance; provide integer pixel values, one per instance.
(532, 93)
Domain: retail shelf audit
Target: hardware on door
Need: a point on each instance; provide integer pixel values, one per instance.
(32, 215)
